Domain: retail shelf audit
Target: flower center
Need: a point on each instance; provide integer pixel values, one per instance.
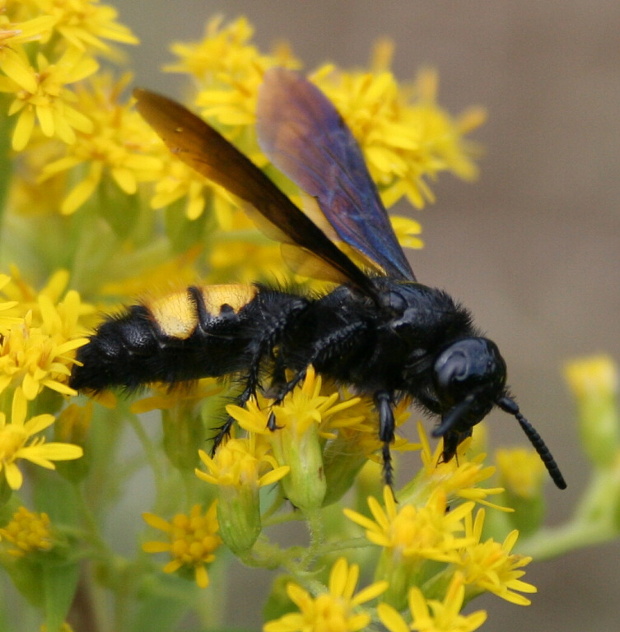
(12, 438)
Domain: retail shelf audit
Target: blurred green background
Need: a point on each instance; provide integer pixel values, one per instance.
(532, 248)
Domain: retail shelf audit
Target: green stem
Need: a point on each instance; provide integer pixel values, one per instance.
(550, 543)
(593, 521)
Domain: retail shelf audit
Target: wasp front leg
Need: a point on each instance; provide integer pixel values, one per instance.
(384, 401)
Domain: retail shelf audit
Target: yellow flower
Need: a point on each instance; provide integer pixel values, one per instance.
(18, 441)
(192, 541)
(595, 376)
(434, 615)
(242, 463)
(459, 478)
(594, 382)
(304, 420)
(85, 24)
(334, 610)
(117, 143)
(490, 566)
(239, 468)
(359, 434)
(521, 471)
(28, 532)
(176, 181)
(41, 96)
(36, 357)
(13, 61)
(407, 231)
(229, 70)
(405, 139)
(7, 319)
(411, 533)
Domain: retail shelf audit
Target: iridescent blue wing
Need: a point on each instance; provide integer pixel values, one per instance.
(304, 137)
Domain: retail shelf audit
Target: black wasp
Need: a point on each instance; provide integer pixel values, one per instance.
(381, 332)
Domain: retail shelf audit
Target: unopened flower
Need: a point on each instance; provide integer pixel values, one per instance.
(28, 532)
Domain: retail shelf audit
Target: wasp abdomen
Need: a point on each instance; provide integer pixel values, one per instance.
(207, 331)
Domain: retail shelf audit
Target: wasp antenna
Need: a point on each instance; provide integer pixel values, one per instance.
(510, 406)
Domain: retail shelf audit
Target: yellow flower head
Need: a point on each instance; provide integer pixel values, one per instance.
(192, 541)
(117, 144)
(13, 34)
(242, 463)
(595, 376)
(404, 135)
(433, 615)
(33, 358)
(333, 610)
(459, 478)
(86, 24)
(42, 96)
(411, 533)
(28, 532)
(19, 440)
(229, 70)
(594, 382)
(491, 567)
(521, 471)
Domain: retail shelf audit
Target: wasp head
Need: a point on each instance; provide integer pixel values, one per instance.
(469, 378)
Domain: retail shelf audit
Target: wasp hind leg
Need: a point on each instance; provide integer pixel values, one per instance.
(261, 352)
(252, 384)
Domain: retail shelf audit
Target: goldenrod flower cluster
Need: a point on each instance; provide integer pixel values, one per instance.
(94, 212)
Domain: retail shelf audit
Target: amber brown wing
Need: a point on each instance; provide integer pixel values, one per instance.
(204, 149)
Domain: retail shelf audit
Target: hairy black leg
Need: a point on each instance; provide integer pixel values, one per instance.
(326, 348)
(223, 431)
(384, 401)
(263, 347)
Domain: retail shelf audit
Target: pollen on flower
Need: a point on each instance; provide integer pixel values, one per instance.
(192, 541)
(334, 610)
(28, 532)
